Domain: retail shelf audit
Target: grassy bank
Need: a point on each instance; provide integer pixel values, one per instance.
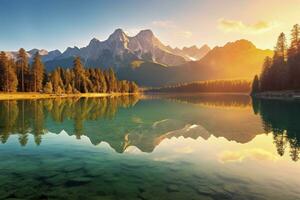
(33, 95)
(284, 95)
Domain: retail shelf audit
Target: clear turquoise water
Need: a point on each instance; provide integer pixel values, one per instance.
(155, 147)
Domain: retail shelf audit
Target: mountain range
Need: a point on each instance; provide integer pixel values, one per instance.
(145, 59)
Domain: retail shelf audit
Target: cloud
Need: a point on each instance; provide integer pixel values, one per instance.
(186, 34)
(170, 25)
(239, 156)
(238, 26)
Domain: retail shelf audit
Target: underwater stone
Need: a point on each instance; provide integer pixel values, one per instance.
(172, 188)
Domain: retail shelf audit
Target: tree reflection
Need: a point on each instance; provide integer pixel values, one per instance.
(28, 116)
(212, 99)
(282, 119)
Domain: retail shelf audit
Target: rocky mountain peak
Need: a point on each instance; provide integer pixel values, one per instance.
(145, 34)
(118, 35)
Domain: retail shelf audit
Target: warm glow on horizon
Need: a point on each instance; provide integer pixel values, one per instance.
(188, 23)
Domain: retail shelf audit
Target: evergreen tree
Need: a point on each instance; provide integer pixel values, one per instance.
(69, 78)
(111, 80)
(23, 71)
(12, 80)
(102, 81)
(133, 88)
(279, 70)
(79, 73)
(69, 89)
(265, 78)
(255, 85)
(56, 80)
(48, 89)
(8, 79)
(3, 68)
(37, 73)
(294, 58)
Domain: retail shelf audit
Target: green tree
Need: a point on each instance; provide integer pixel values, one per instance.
(48, 88)
(112, 85)
(279, 69)
(56, 80)
(23, 71)
(37, 73)
(294, 58)
(265, 77)
(12, 76)
(8, 78)
(3, 69)
(133, 87)
(255, 85)
(79, 74)
(69, 89)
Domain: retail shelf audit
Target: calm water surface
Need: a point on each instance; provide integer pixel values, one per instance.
(155, 147)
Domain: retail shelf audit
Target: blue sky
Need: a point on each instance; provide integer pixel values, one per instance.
(57, 24)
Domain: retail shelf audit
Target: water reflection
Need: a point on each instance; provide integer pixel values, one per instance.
(125, 121)
(282, 119)
(184, 148)
(30, 116)
(210, 99)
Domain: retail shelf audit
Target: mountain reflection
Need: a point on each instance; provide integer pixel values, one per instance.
(125, 121)
(282, 119)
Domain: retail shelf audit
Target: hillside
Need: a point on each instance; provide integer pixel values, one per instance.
(235, 60)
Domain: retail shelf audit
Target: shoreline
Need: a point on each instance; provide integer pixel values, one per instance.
(278, 95)
(35, 95)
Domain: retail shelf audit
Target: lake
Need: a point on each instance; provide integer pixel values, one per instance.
(209, 146)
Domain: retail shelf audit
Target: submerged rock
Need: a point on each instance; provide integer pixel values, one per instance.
(173, 188)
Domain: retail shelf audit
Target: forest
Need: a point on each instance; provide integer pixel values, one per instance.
(20, 75)
(282, 71)
(230, 86)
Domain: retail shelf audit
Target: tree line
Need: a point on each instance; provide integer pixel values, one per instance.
(20, 75)
(233, 86)
(282, 71)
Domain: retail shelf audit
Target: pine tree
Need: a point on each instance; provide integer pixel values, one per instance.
(12, 80)
(3, 68)
(294, 58)
(8, 79)
(255, 85)
(111, 80)
(265, 78)
(48, 89)
(56, 80)
(102, 81)
(280, 50)
(279, 69)
(69, 89)
(23, 70)
(37, 73)
(79, 73)
(133, 88)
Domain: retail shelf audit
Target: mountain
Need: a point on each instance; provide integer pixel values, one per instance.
(192, 53)
(120, 50)
(45, 55)
(235, 60)
(146, 60)
(239, 59)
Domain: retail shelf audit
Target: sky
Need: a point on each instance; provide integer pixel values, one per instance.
(58, 24)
